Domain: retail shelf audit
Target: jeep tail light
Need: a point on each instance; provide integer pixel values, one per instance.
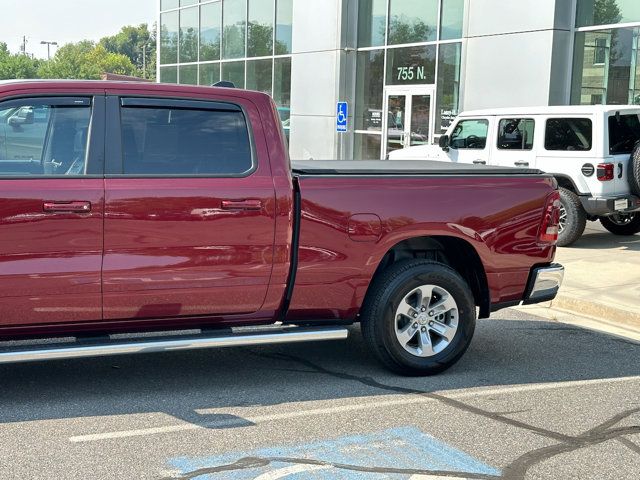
(605, 172)
(549, 228)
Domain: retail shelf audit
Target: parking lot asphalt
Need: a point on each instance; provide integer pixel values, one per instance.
(530, 399)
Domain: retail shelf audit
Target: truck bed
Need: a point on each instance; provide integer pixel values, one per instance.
(403, 167)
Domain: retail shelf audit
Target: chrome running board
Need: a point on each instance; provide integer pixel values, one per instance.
(110, 346)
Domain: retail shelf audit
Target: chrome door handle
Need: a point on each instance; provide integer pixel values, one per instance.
(66, 207)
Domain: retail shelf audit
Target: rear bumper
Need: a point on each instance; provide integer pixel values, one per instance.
(544, 283)
(604, 206)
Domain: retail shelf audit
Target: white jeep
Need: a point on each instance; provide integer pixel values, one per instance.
(593, 152)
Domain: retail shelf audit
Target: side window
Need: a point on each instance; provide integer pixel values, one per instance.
(516, 134)
(44, 139)
(174, 141)
(568, 134)
(470, 134)
(624, 133)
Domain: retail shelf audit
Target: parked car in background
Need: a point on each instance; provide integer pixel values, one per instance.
(592, 151)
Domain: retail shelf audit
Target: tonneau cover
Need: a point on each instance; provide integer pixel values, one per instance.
(401, 167)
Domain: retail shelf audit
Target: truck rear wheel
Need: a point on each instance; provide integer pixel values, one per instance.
(573, 218)
(622, 224)
(419, 317)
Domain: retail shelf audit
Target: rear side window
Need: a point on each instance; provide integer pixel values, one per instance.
(44, 139)
(470, 134)
(516, 134)
(624, 132)
(568, 134)
(174, 141)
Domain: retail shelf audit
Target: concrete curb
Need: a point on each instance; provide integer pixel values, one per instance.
(610, 314)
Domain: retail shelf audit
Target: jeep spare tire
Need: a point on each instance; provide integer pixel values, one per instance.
(634, 170)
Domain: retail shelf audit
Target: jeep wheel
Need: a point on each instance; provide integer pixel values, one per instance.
(419, 317)
(634, 170)
(620, 224)
(573, 218)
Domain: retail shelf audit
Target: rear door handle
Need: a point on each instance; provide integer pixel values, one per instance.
(67, 207)
(521, 164)
(241, 205)
(480, 162)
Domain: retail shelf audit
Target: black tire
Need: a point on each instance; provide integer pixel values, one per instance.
(379, 322)
(576, 218)
(634, 170)
(622, 224)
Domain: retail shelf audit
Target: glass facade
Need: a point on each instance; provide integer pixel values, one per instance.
(605, 60)
(406, 43)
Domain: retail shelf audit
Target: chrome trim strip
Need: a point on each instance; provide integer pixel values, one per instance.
(175, 343)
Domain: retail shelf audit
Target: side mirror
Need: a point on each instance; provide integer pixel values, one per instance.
(443, 142)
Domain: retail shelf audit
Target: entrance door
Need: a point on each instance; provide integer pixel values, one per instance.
(409, 117)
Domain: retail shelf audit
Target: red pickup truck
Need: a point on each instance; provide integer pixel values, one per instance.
(129, 208)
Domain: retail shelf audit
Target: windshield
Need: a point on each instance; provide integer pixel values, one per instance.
(624, 132)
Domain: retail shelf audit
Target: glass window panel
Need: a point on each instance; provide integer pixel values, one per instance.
(369, 88)
(372, 22)
(284, 20)
(605, 67)
(186, 3)
(282, 82)
(260, 31)
(624, 133)
(169, 74)
(367, 147)
(259, 75)
(448, 94)
(396, 118)
(607, 12)
(209, 73)
(169, 37)
(233, 72)
(470, 135)
(568, 134)
(234, 13)
(168, 4)
(189, 35)
(189, 74)
(165, 141)
(210, 30)
(516, 134)
(411, 65)
(412, 21)
(452, 19)
(420, 119)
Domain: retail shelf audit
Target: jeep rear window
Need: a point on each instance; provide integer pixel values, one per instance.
(624, 132)
(568, 134)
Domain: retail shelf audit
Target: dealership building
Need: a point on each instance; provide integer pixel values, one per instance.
(405, 68)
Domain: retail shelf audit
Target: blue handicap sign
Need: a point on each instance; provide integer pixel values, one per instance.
(341, 117)
(403, 453)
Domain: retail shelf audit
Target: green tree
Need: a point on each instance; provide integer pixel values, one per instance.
(606, 12)
(138, 43)
(14, 66)
(85, 60)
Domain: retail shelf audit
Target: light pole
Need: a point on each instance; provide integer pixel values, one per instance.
(48, 44)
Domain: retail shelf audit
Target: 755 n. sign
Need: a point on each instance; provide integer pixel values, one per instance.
(410, 73)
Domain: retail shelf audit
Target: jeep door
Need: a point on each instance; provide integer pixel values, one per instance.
(470, 141)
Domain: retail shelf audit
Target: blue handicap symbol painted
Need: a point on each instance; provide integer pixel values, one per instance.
(400, 453)
(342, 116)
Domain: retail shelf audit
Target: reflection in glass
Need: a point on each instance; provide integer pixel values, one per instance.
(209, 73)
(284, 21)
(169, 37)
(605, 67)
(420, 119)
(396, 117)
(282, 82)
(186, 3)
(189, 35)
(210, 30)
(452, 19)
(259, 75)
(607, 12)
(411, 65)
(370, 66)
(448, 95)
(367, 147)
(168, 4)
(234, 28)
(189, 74)
(412, 21)
(169, 74)
(372, 22)
(233, 72)
(260, 31)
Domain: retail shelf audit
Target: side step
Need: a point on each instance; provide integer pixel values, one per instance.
(119, 346)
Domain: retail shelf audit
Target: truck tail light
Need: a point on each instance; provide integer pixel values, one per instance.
(605, 172)
(549, 228)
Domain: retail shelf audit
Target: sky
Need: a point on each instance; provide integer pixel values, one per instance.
(66, 21)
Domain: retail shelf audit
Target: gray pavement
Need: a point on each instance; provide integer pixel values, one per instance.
(531, 399)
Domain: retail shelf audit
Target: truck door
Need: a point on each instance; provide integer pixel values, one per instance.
(51, 206)
(514, 142)
(189, 212)
(470, 141)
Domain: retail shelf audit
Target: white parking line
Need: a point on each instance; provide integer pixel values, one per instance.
(368, 403)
